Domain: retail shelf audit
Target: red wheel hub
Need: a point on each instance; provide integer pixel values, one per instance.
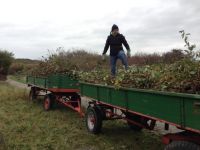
(46, 103)
(92, 119)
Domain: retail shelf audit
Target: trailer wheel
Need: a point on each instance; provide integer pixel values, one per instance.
(135, 118)
(93, 120)
(32, 94)
(182, 145)
(48, 102)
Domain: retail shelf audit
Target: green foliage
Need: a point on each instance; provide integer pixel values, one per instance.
(66, 62)
(172, 56)
(183, 75)
(16, 68)
(156, 58)
(6, 59)
(191, 52)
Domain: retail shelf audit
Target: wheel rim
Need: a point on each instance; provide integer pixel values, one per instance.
(46, 103)
(91, 120)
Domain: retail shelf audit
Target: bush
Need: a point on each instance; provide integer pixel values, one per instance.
(16, 68)
(6, 59)
(155, 58)
(65, 61)
(173, 56)
(145, 59)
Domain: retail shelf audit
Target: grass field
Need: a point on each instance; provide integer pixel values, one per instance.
(18, 78)
(25, 125)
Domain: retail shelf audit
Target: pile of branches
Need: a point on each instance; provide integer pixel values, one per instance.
(182, 75)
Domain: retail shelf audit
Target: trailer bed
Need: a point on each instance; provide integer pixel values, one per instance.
(181, 110)
(56, 81)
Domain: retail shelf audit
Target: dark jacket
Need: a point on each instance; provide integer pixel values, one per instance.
(115, 43)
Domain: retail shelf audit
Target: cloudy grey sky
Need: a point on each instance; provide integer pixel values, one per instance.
(29, 27)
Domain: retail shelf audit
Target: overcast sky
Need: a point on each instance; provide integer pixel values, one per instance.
(29, 27)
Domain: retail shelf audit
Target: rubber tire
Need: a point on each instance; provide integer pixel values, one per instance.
(182, 145)
(135, 118)
(32, 94)
(50, 99)
(98, 123)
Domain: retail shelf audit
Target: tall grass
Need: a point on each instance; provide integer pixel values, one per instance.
(25, 125)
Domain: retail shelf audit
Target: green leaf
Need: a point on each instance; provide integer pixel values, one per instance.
(192, 72)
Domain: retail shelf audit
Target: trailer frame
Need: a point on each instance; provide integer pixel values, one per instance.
(58, 94)
(101, 109)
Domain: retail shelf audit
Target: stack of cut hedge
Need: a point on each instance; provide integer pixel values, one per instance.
(180, 76)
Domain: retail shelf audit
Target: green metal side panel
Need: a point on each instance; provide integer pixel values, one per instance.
(104, 94)
(192, 113)
(177, 108)
(62, 81)
(118, 97)
(90, 91)
(30, 80)
(53, 81)
(160, 106)
(40, 81)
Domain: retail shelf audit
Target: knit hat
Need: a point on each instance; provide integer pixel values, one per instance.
(114, 27)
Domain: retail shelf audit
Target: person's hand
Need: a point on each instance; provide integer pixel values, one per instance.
(129, 53)
(104, 57)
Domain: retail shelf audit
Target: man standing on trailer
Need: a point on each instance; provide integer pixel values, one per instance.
(115, 41)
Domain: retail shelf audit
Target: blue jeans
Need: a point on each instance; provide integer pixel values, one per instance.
(113, 60)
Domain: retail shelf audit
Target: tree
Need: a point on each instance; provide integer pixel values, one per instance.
(6, 59)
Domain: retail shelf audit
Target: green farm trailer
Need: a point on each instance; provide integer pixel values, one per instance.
(140, 108)
(61, 88)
